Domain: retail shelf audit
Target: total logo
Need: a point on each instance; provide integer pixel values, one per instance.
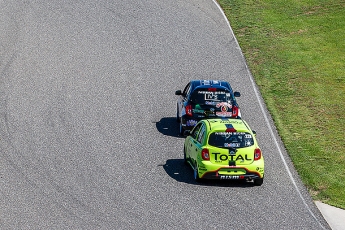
(231, 157)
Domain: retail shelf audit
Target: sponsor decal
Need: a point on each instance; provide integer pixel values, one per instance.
(224, 108)
(211, 92)
(224, 114)
(233, 152)
(230, 128)
(225, 157)
(228, 134)
(198, 111)
(202, 168)
(223, 104)
(191, 122)
(209, 113)
(212, 95)
(233, 145)
(227, 177)
(210, 102)
(248, 143)
(231, 122)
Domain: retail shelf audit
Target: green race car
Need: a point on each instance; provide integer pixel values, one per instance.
(224, 149)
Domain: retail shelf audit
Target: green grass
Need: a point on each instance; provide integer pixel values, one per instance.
(295, 50)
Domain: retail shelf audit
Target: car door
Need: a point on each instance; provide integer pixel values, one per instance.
(192, 141)
(197, 140)
(199, 144)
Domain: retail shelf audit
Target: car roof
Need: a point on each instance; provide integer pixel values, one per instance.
(210, 83)
(227, 125)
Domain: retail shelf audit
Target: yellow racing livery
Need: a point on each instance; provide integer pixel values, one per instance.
(224, 149)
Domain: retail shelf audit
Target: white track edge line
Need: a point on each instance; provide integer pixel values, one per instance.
(266, 119)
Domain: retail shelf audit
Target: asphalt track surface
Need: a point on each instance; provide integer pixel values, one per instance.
(88, 135)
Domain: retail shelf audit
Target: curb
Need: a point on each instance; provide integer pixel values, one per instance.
(335, 217)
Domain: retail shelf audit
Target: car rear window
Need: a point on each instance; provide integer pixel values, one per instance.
(204, 96)
(231, 139)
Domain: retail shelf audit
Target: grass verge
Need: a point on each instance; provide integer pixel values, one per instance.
(295, 51)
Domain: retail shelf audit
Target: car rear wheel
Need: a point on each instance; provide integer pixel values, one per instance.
(258, 182)
(196, 174)
(184, 157)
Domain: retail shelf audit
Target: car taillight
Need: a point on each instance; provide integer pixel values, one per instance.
(205, 154)
(257, 154)
(189, 110)
(234, 111)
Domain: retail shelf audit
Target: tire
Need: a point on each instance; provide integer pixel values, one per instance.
(181, 130)
(196, 174)
(258, 182)
(177, 112)
(185, 157)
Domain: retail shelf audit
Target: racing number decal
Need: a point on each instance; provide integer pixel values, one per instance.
(211, 96)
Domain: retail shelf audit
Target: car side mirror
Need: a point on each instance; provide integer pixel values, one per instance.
(254, 132)
(186, 133)
(237, 94)
(178, 92)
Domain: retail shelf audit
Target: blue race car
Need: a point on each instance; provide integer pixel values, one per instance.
(202, 99)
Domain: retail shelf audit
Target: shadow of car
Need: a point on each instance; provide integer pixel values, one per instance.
(180, 172)
(167, 126)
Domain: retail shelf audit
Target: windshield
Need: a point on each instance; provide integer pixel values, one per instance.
(231, 139)
(203, 96)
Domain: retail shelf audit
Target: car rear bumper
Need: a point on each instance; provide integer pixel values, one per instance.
(231, 172)
(217, 176)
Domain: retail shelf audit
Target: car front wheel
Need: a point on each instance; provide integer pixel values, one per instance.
(181, 130)
(177, 114)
